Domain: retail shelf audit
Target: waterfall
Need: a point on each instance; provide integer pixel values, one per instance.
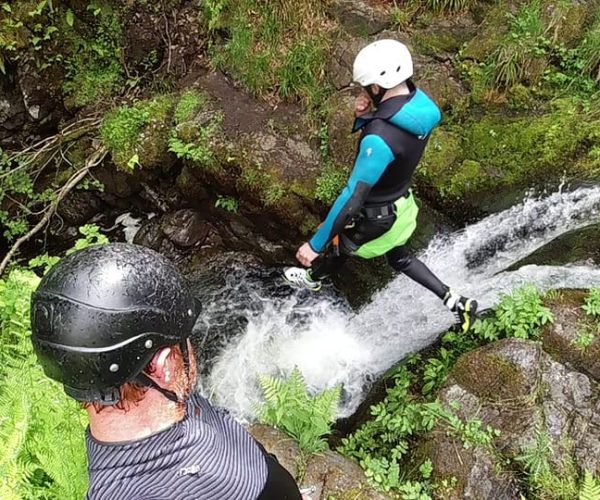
(331, 344)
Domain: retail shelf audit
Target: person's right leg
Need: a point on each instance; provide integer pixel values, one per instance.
(402, 261)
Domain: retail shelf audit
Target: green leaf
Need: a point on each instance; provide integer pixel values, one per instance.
(70, 17)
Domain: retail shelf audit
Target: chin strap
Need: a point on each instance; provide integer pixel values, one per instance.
(145, 380)
(376, 98)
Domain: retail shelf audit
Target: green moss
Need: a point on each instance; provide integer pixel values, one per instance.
(263, 183)
(488, 376)
(190, 102)
(499, 153)
(137, 135)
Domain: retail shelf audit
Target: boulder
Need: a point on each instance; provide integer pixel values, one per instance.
(360, 18)
(332, 475)
(276, 442)
(79, 206)
(516, 387)
(186, 227)
(559, 337)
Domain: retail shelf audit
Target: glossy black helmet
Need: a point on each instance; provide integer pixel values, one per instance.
(99, 316)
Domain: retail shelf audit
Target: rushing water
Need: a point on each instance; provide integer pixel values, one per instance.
(254, 325)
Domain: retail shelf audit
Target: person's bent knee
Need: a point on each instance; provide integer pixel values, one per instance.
(399, 259)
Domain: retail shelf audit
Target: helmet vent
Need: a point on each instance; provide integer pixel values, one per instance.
(382, 73)
(398, 69)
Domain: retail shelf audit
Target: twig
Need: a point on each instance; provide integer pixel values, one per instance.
(92, 161)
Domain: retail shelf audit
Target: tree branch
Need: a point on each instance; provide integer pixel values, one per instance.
(92, 161)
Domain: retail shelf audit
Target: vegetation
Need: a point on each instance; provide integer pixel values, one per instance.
(275, 47)
(289, 406)
(383, 444)
(49, 35)
(227, 203)
(137, 135)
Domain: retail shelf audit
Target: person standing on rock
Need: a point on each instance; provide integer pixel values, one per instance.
(376, 213)
(112, 324)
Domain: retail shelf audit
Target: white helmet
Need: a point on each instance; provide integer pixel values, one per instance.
(386, 62)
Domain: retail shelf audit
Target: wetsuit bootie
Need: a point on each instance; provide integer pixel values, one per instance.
(300, 277)
(464, 309)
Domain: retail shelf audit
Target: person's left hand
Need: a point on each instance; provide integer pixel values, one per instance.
(306, 255)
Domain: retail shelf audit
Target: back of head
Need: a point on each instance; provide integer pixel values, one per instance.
(100, 315)
(386, 63)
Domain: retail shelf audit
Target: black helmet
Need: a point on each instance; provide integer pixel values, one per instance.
(99, 316)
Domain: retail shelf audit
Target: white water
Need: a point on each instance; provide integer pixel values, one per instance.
(332, 345)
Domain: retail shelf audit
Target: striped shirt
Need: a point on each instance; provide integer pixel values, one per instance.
(206, 456)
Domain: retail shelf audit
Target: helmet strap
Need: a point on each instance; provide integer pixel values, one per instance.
(145, 380)
(376, 98)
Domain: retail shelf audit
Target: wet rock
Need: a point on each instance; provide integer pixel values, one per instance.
(559, 338)
(334, 476)
(439, 80)
(150, 235)
(360, 18)
(343, 52)
(41, 97)
(116, 182)
(190, 186)
(517, 388)
(478, 472)
(79, 206)
(186, 227)
(13, 115)
(284, 448)
(507, 369)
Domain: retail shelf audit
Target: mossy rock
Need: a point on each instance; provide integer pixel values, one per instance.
(496, 154)
(138, 135)
(559, 338)
(504, 370)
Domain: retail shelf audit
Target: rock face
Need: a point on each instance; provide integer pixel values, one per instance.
(332, 475)
(518, 388)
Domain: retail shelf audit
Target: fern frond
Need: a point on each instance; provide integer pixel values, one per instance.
(590, 488)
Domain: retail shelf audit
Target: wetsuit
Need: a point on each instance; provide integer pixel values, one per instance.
(376, 212)
(205, 456)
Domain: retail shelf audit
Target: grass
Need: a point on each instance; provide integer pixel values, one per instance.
(449, 5)
(122, 130)
(188, 105)
(277, 47)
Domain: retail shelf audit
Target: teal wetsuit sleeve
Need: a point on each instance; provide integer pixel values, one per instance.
(373, 158)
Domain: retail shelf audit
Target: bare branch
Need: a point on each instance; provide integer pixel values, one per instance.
(92, 161)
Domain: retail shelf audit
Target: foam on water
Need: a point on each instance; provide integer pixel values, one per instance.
(332, 345)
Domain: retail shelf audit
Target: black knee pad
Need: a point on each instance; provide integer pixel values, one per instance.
(399, 258)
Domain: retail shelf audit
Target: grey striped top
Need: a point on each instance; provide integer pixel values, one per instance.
(206, 456)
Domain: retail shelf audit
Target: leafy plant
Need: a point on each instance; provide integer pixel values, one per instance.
(288, 406)
(41, 428)
(585, 337)
(188, 105)
(520, 314)
(541, 477)
(330, 183)
(195, 141)
(227, 203)
(592, 303)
